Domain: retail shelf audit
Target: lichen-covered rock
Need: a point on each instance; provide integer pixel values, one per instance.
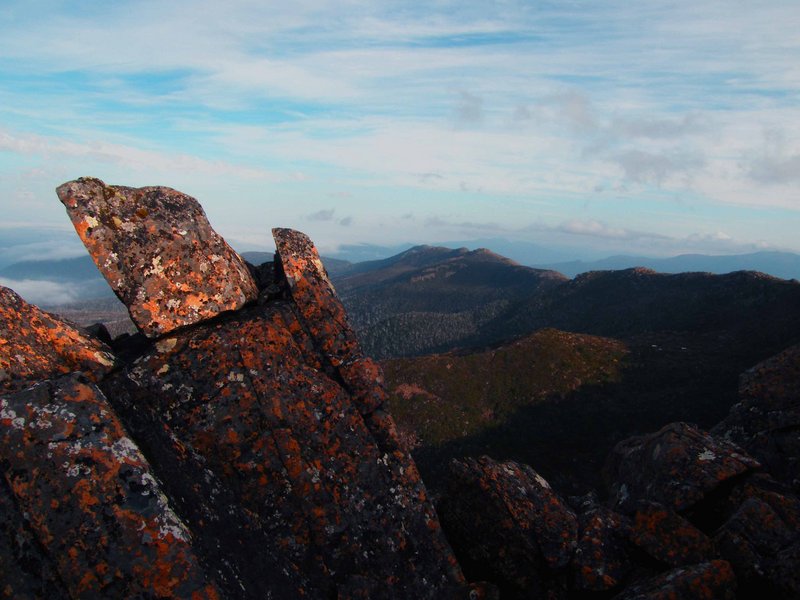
(668, 537)
(712, 580)
(36, 345)
(762, 548)
(766, 421)
(506, 524)
(601, 559)
(321, 309)
(90, 514)
(677, 466)
(333, 513)
(158, 252)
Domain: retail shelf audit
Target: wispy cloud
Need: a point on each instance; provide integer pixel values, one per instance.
(500, 112)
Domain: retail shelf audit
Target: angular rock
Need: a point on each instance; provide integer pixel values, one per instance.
(321, 507)
(712, 580)
(507, 524)
(766, 421)
(156, 249)
(668, 537)
(601, 559)
(762, 548)
(98, 525)
(36, 345)
(677, 466)
(321, 309)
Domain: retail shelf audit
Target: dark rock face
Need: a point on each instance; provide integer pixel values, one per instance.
(602, 559)
(766, 421)
(36, 345)
(91, 520)
(712, 580)
(281, 475)
(668, 537)
(507, 524)
(156, 249)
(678, 466)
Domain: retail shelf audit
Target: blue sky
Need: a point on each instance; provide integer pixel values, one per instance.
(654, 127)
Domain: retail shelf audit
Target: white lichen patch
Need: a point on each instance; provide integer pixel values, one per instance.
(125, 450)
(706, 455)
(541, 481)
(173, 303)
(156, 268)
(111, 259)
(91, 221)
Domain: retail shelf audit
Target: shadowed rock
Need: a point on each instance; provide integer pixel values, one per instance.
(712, 580)
(763, 548)
(36, 345)
(668, 537)
(766, 421)
(91, 519)
(601, 558)
(507, 525)
(676, 466)
(158, 252)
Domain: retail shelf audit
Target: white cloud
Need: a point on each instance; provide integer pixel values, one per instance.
(42, 292)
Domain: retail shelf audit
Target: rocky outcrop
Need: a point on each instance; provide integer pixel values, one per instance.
(689, 516)
(36, 345)
(158, 252)
(766, 421)
(271, 469)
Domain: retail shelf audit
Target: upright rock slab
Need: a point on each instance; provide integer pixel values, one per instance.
(158, 252)
(36, 345)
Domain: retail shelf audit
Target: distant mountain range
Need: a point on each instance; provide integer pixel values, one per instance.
(779, 264)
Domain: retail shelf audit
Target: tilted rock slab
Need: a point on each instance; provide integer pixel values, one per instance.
(678, 466)
(36, 345)
(156, 249)
(82, 513)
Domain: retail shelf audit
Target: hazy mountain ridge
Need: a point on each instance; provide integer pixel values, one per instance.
(785, 265)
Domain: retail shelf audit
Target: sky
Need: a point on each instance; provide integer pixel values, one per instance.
(653, 127)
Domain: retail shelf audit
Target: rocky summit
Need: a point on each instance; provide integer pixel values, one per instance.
(239, 446)
(235, 448)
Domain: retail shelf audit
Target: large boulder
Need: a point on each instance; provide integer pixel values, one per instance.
(81, 513)
(677, 466)
(507, 525)
(158, 252)
(36, 345)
